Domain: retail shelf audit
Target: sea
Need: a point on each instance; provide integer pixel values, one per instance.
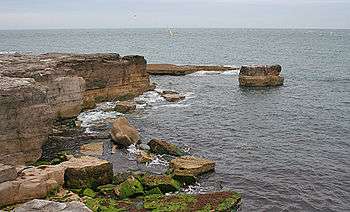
(284, 148)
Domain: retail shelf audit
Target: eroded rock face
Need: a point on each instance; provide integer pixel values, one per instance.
(260, 76)
(37, 205)
(87, 78)
(191, 166)
(26, 120)
(123, 134)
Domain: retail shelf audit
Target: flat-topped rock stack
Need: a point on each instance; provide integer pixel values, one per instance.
(177, 70)
(260, 76)
(36, 89)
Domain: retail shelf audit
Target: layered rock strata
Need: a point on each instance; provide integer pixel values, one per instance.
(260, 76)
(171, 69)
(35, 89)
(26, 119)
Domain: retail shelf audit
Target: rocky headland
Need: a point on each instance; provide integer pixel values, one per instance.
(178, 70)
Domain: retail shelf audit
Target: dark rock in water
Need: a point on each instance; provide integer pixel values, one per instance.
(163, 182)
(172, 96)
(260, 76)
(123, 134)
(125, 106)
(87, 172)
(160, 146)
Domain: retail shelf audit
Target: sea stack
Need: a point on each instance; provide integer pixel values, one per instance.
(260, 76)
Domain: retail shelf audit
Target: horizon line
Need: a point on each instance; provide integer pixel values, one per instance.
(113, 28)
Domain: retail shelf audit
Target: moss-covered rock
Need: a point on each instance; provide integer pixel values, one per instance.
(87, 172)
(217, 201)
(129, 188)
(103, 205)
(160, 146)
(153, 191)
(164, 183)
(106, 189)
(89, 193)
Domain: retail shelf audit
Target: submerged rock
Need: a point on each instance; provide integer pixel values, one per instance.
(172, 96)
(123, 134)
(160, 146)
(260, 76)
(125, 106)
(87, 172)
(191, 166)
(37, 205)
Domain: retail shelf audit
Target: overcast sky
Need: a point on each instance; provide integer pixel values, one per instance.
(40, 14)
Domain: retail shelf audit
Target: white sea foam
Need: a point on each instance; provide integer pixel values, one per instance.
(205, 73)
(149, 98)
(232, 72)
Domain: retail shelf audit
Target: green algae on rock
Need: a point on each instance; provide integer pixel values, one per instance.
(89, 193)
(217, 201)
(164, 183)
(129, 188)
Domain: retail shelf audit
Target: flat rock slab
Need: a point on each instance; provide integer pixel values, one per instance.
(191, 166)
(93, 149)
(7, 173)
(37, 205)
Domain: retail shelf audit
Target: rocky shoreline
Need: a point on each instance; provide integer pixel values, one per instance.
(41, 97)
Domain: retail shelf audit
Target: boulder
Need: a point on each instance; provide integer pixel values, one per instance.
(191, 166)
(164, 183)
(144, 157)
(129, 188)
(32, 183)
(7, 173)
(260, 76)
(123, 134)
(87, 172)
(26, 120)
(125, 106)
(37, 205)
(160, 146)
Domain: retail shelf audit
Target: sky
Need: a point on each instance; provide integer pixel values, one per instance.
(51, 14)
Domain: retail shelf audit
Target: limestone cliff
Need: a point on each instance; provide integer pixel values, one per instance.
(35, 89)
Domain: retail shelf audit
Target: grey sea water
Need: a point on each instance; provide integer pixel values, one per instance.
(284, 149)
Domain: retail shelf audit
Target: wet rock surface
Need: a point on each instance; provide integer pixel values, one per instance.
(123, 133)
(191, 166)
(161, 146)
(260, 76)
(125, 106)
